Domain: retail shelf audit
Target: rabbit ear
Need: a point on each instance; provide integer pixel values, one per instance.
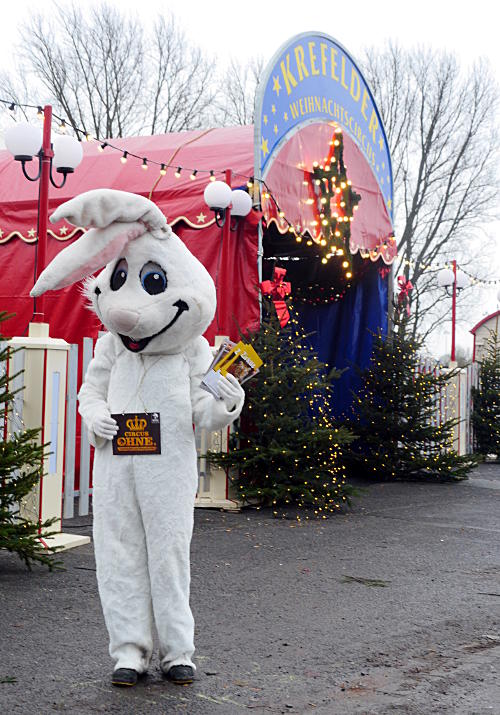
(92, 251)
(101, 207)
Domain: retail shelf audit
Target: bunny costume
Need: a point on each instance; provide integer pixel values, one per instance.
(156, 299)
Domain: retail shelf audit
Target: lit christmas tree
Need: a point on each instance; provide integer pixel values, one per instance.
(287, 451)
(395, 416)
(21, 466)
(486, 400)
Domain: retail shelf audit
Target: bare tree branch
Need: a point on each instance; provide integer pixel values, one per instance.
(236, 105)
(112, 76)
(441, 129)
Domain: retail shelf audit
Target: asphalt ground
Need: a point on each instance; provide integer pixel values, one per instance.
(392, 607)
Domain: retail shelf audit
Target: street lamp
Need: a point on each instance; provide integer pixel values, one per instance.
(24, 142)
(452, 281)
(217, 196)
(220, 199)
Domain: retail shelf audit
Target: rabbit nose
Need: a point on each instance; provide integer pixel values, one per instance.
(123, 320)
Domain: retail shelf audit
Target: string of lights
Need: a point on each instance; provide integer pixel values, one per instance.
(62, 125)
(435, 267)
(300, 235)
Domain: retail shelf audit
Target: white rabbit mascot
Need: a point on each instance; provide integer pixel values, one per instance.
(156, 299)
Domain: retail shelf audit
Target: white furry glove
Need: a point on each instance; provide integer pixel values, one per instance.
(104, 426)
(231, 392)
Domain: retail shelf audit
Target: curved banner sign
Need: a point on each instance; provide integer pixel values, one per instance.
(313, 79)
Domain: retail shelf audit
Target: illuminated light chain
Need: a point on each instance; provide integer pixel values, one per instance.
(435, 267)
(328, 166)
(250, 180)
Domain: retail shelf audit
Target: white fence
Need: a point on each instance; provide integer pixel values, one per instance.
(213, 486)
(214, 490)
(454, 402)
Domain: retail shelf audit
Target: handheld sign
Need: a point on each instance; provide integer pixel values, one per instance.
(138, 433)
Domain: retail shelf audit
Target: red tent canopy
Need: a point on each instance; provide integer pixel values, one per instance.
(233, 266)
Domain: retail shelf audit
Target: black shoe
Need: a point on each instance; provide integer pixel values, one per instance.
(181, 674)
(124, 677)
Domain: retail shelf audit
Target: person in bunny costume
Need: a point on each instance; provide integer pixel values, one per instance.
(156, 300)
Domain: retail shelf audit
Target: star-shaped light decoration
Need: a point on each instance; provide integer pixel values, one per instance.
(63, 230)
(273, 109)
(389, 204)
(201, 217)
(276, 85)
(265, 118)
(285, 116)
(275, 128)
(264, 148)
(31, 233)
(381, 143)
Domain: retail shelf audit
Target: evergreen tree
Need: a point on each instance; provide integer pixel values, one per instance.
(395, 415)
(21, 466)
(287, 451)
(486, 400)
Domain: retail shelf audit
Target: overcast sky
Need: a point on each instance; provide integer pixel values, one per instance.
(229, 27)
(242, 29)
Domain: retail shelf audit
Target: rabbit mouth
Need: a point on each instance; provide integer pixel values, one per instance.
(136, 346)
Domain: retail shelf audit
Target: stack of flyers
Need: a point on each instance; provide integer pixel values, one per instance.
(238, 359)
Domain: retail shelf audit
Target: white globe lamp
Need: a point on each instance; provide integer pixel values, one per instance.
(23, 140)
(445, 278)
(241, 203)
(217, 195)
(463, 280)
(68, 153)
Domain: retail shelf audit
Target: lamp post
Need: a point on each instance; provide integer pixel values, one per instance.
(230, 208)
(25, 141)
(452, 280)
(45, 358)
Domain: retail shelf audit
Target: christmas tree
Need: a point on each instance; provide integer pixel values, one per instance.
(21, 466)
(395, 414)
(486, 400)
(287, 451)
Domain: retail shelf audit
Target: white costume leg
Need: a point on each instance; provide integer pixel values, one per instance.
(167, 505)
(121, 560)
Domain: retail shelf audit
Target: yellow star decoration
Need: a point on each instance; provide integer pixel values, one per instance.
(201, 217)
(285, 116)
(276, 85)
(275, 128)
(63, 230)
(264, 147)
(388, 180)
(382, 180)
(389, 204)
(383, 165)
(273, 109)
(265, 118)
(31, 233)
(381, 143)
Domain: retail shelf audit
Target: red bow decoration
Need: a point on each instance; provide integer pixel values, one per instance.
(384, 272)
(404, 292)
(278, 289)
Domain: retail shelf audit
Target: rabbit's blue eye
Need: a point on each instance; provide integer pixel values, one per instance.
(119, 275)
(153, 279)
